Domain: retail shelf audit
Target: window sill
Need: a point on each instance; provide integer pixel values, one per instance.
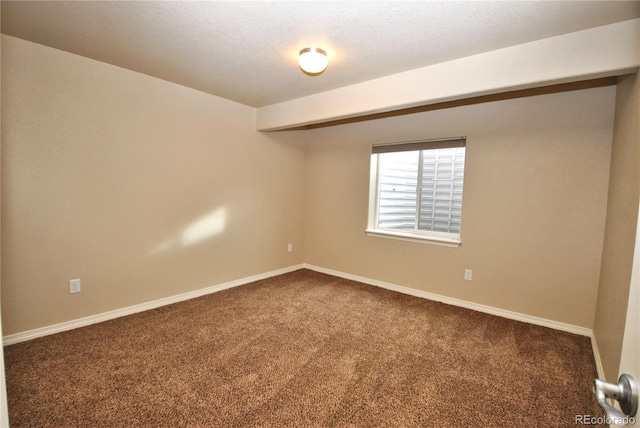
(412, 237)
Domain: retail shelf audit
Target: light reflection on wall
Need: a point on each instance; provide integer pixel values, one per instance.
(204, 228)
(197, 231)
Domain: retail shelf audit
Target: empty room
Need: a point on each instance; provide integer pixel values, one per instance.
(319, 214)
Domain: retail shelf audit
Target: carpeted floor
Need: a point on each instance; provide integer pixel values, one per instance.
(303, 350)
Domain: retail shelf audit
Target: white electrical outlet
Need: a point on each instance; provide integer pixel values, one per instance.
(290, 247)
(74, 286)
(468, 274)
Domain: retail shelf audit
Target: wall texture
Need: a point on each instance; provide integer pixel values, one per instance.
(4, 412)
(536, 180)
(141, 188)
(145, 189)
(621, 223)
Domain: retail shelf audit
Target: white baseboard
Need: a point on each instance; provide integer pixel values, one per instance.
(82, 322)
(582, 331)
(596, 357)
(105, 316)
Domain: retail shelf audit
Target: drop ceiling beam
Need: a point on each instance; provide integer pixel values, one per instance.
(610, 50)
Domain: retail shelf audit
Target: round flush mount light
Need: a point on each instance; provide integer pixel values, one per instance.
(313, 61)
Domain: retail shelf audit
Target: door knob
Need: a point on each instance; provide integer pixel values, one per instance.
(624, 392)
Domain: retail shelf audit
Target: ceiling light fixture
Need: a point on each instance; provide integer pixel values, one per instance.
(313, 61)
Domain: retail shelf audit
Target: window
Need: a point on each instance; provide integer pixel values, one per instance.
(416, 190)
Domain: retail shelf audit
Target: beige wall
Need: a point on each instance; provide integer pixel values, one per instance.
(144, 189)
(534, 203)
(4, 413)
(141, 188)
(621, 223)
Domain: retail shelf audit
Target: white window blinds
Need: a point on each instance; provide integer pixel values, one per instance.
(420, 186)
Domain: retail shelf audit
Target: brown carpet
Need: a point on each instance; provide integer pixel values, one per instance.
(303, 350)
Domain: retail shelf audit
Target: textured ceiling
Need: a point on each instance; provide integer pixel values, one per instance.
(247, 51)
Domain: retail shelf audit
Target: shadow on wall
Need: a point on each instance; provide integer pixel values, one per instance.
(197, 231)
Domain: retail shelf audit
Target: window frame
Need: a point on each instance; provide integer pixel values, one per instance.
(426, 237)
